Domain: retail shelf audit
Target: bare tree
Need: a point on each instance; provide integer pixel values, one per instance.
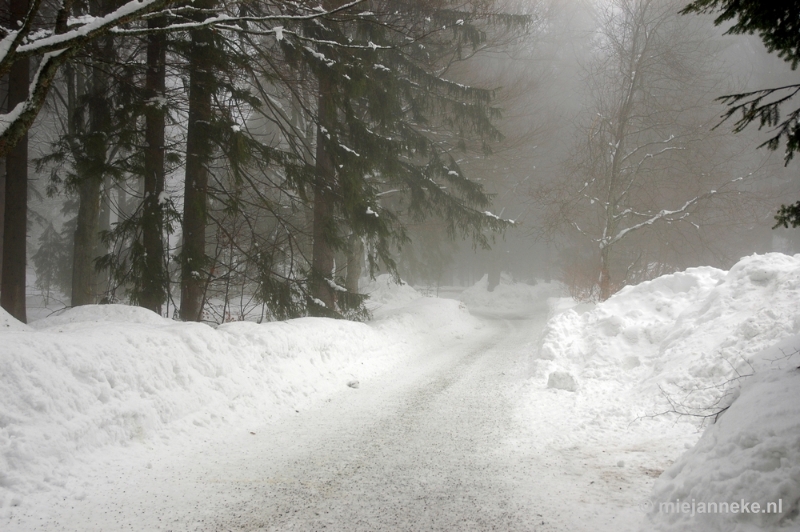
(645, 157)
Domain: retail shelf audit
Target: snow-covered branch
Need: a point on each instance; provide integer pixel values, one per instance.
(65, 37)
(94, 27)
(663, 214)
(237, 22)
(57, 46)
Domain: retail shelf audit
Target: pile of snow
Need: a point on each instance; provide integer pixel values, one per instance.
(509, 299)
(386, 291)
(91, 315)
(687, 334)
(111, 375)
(750, 457)
(8, 323)
(687, 342)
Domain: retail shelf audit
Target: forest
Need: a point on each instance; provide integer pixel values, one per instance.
(369, 265)
(254, 160)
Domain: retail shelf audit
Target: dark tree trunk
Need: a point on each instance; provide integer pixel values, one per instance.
(306, 128)
(355, 260)
(154, 275)
(324, 227)
(83, 273)
(2, 205)
(91, 173)
(198, 149)
(103, 282)
(493, 278)
(15, 214)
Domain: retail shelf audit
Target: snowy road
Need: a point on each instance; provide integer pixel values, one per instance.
(423, 448)
(416, 451)
(115, 419)
(438, 444)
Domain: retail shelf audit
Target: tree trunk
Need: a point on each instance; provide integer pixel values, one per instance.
(493, 277)
(2, 206)
(154, 276)
(91, 174)
(15, 215)
(83, 274)
(198, 149)
(103, 282)
(305, 128)
(355, 260)
(324, 227)
(605, 276)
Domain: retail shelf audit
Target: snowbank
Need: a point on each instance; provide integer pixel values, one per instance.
(385, 290)
(8, 323)
(112, 375)
(509, 299)
(751, 455)
(686, 334)
(688, 342)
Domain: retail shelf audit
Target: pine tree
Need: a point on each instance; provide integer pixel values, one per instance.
(52, 262)
(393, 122)
(91, 171)
(387, 118)
(98, 99)
(154, 275)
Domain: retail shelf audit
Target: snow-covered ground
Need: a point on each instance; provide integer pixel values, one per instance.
(438, 414)
(604, 381)
(95, 379)
(509, 300)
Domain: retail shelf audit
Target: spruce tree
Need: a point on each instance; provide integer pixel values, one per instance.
(154, 280)
(388, 118)
(52, 262)
(91, 169)
(202, 83)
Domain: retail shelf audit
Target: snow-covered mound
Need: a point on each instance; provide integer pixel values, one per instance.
(750, 455)
(384, 291)
(687, 334)
(695, 343)
(9, 323)
(91, 315)
(508, 299)
(102, 376)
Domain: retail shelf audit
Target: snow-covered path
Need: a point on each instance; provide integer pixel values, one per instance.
(116, 419)
(419, 450)
(432, 446)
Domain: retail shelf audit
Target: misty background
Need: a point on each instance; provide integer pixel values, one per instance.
(598, 194)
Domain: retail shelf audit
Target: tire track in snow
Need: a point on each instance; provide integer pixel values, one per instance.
(426, 454)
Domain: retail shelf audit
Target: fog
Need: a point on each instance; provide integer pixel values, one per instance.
(547, 79)
(397, 265)
(608, 164)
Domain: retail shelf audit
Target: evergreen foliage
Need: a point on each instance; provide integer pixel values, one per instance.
(53, 260)
(395, 131)
(778, 26)
(777, 23)
(399, 123)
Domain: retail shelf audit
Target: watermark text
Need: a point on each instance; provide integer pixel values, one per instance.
(693, 507)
